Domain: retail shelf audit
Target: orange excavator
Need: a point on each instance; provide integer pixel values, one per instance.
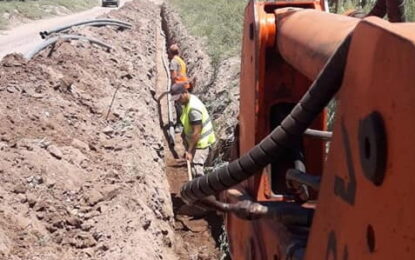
(296, 190)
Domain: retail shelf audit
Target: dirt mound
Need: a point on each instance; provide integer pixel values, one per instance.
(73, 184)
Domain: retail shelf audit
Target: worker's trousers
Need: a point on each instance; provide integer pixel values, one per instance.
(199, 158)
(179, 110)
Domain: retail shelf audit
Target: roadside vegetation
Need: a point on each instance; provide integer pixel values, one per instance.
(217, 22)
(31, 9)
(342, 6)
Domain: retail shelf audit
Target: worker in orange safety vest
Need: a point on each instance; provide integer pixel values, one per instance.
(178, 75)
(178, 68)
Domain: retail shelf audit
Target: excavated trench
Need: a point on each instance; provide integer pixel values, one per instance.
(201, 231)
(217, 86)
(83, 179)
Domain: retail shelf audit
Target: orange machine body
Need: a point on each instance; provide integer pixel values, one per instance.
(283, 52)
(357, 218)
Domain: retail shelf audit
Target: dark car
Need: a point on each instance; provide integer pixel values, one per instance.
(106, 3)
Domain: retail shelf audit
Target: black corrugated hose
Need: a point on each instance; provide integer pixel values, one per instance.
(284, 136)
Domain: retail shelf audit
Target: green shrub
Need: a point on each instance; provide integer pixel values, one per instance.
(218, 22)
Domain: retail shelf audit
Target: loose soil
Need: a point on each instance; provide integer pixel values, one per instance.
(83, 180)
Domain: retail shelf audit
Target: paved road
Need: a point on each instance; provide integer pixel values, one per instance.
(22, 38)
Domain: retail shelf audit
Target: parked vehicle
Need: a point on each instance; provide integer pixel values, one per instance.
(106, 3)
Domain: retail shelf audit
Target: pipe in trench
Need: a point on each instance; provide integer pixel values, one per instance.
(171, 131)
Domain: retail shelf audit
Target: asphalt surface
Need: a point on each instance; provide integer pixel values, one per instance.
(22, 38)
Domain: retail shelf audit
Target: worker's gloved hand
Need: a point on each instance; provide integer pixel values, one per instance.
(188, 156)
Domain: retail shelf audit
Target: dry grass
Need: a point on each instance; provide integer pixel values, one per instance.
(38, 9)
(217, 22)
(345, 5)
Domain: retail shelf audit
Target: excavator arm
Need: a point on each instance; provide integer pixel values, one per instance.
(358, 186)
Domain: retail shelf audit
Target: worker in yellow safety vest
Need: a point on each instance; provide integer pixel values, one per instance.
(197, 128)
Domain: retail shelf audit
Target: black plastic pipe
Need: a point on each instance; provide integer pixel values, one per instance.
(97, 22)
(53, 40)
(284, 136)
(171, 133)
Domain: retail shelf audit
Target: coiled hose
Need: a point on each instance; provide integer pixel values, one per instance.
(285, 135)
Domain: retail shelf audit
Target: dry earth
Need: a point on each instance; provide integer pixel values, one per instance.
(78, 182)
(74, 185)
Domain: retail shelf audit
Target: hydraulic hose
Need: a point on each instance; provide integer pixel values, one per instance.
(53, 40)
(284, 136)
